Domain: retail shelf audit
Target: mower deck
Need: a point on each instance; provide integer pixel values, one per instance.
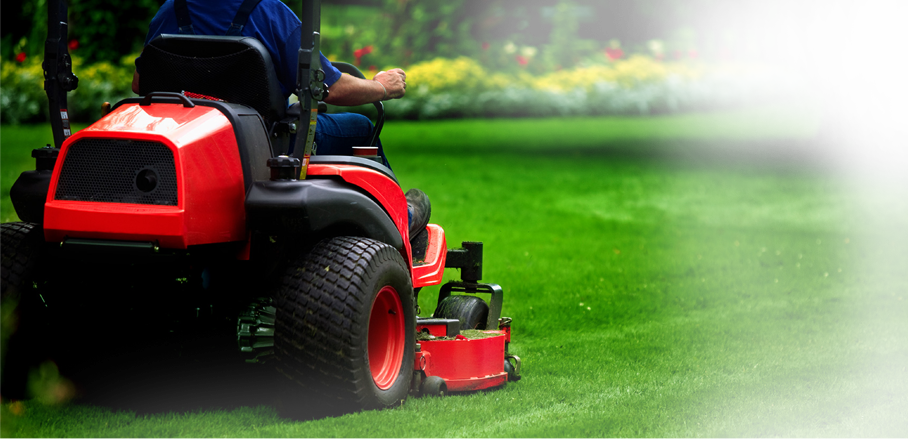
(465, 363)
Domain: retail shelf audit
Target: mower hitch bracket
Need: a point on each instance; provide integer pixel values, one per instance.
(468, 259)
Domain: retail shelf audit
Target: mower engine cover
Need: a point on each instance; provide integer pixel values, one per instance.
(170, 171)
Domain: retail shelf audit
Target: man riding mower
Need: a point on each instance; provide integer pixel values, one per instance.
(204, 194)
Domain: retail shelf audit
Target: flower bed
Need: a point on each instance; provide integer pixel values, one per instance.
(638, 85)
(444, 88)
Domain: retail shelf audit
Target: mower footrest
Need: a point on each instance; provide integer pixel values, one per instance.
(430, 271)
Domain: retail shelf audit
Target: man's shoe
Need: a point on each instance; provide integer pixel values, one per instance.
(420, 209)
(419, 246)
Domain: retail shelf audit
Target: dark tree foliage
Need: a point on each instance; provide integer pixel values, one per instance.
(100, 30)
(531, 21)
(107, 30)
(861, 72)
(26, 23)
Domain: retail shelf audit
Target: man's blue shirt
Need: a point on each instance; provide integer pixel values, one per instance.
(271, 22)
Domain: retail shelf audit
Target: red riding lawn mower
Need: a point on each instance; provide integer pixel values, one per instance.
(176, 203)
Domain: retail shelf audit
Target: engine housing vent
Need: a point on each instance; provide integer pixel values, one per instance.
(118, 171)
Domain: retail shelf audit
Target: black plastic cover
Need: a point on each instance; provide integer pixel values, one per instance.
(29, 193)
(316, 205)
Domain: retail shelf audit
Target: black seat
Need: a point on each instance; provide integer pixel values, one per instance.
(235, 69)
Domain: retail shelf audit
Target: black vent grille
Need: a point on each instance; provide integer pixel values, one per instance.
(118, 171)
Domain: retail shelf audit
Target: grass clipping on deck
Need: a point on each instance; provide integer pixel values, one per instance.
(472, 334)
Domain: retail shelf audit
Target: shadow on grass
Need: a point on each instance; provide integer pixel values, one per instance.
(156, 387)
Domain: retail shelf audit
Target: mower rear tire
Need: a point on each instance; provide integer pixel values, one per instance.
(345, 326)
(23, 326)
(470, 310)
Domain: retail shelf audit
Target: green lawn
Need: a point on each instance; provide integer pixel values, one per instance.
(697, 275)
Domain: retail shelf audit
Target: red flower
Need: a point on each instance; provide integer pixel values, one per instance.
(693, 54)
(372, 68)
(522, 60)
(358, 54)
(485, 46)
(73, 44)
(725, 54)
(614, 54)
(20, 57)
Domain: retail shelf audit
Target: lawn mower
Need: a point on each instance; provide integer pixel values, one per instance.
(202, 198)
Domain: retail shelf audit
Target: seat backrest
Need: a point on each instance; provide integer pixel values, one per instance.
(235, 69)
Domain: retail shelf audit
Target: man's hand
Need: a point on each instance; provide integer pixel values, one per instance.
(394, 81)
(349, 90)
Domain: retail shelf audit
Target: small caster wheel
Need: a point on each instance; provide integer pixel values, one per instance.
(513, 373)
(471, 311)
(434, 386)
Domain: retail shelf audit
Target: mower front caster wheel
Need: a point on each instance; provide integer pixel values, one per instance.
(470, 310)
(433, 386)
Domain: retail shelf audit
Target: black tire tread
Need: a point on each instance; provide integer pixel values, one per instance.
(22, 248)
(470, 310)
(320, 308)
(21, 245)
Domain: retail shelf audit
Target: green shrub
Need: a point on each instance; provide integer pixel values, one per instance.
(420, 29)
(22, 98)
(443, 88)
(98, 83)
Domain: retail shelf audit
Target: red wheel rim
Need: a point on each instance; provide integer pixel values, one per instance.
(386, 337)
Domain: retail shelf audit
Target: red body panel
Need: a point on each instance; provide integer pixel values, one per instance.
(383, 189)
(465, 364)
(431, 272)
(211, 191)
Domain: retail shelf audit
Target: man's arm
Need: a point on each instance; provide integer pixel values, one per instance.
(350, 91)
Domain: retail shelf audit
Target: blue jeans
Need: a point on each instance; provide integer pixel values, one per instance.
(337, 134)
